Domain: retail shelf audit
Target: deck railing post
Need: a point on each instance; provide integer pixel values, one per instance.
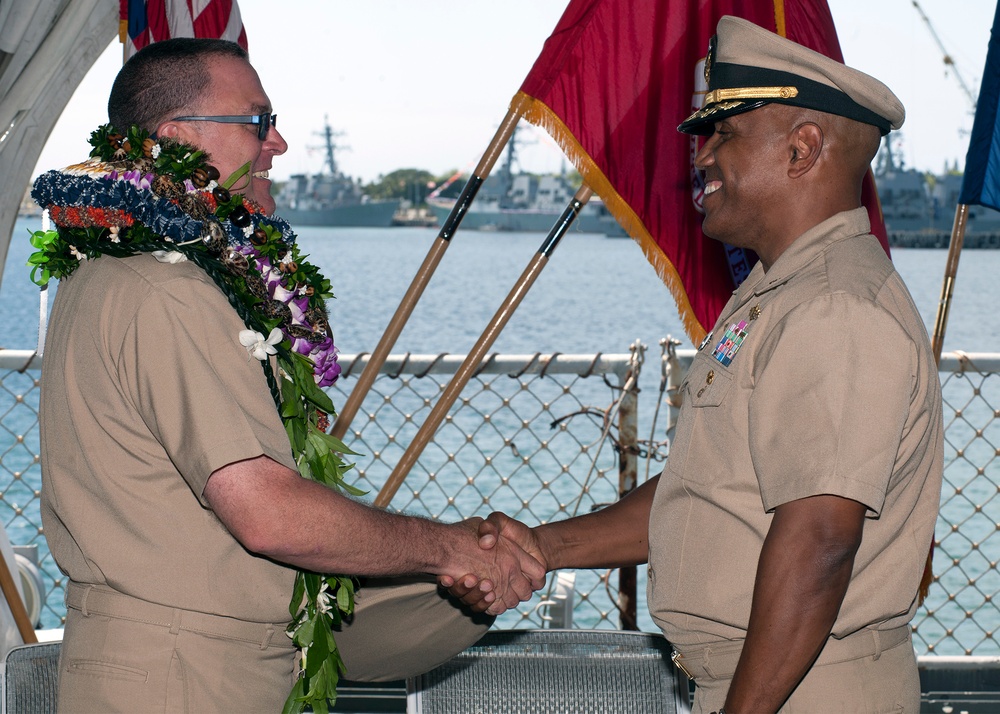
(628, 470)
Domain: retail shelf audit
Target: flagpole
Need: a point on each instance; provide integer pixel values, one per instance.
(950, 272)
(482, 346)
(392, 331)
(937, 342)
(16, 604)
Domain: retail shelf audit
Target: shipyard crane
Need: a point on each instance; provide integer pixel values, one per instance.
(949, 62)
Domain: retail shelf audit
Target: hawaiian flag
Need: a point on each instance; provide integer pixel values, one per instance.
(981, 183)
(146, 21)
(611, 85)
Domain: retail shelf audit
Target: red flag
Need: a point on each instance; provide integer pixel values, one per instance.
(611, 85)
(146, 21)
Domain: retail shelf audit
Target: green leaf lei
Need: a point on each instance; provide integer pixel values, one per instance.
(140, 194)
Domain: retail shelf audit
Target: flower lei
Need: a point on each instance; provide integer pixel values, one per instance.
(139, 194)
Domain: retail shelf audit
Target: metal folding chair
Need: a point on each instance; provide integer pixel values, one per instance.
(555, 672)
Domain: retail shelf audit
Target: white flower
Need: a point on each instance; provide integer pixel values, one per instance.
(323, 598)
(248, 230)
(155, 151)
(114, 234)
(77, 254)
(169, 256)
(257, 346)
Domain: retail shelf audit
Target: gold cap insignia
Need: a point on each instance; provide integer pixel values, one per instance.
(755, 93)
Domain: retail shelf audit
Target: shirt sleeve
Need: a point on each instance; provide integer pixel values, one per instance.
(831, 395)
(196, 388)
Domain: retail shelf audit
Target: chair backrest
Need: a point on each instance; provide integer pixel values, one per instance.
(29, 679)
(555, 672)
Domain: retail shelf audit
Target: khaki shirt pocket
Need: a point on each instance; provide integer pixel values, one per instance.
(704, 390)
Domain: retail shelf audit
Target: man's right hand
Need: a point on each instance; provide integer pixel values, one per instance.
(496, 578)
(498, 530)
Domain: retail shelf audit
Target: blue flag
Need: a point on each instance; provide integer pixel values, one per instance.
(981, 184)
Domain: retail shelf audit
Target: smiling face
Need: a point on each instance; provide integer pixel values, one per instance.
(745, 165)
(234, 88)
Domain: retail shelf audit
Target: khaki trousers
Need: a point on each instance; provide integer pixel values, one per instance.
(864, 672)
(120, 654)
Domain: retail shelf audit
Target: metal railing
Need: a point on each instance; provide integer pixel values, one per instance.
(544, 437)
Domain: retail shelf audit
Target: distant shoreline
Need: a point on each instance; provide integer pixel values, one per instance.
(942, 239)
(897, 239)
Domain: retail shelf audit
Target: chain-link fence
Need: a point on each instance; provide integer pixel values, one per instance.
(961, 615)
(543, 437)
(536, 436)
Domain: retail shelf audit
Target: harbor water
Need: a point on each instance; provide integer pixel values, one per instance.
(595, 295)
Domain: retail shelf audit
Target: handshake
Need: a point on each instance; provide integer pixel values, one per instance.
(506, 564)
(504, 561)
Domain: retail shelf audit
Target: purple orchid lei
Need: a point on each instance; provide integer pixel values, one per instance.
(123, 196)
(324, 353)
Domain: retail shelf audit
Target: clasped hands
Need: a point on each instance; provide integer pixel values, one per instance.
(510, 567)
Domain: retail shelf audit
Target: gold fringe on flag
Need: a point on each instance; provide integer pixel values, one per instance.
(538, 113)
(779, 17)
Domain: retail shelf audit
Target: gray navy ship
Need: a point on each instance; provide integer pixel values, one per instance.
(510, 200)
(330, 198)
(919, 209)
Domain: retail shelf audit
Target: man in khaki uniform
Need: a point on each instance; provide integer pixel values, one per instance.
(170, 496)
(788, 532)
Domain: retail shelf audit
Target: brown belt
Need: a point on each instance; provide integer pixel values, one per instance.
(719, 660)
(98, 600)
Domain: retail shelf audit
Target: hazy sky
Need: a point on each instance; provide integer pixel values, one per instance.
(424, 84)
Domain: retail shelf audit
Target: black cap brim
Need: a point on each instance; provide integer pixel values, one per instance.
(702, 122)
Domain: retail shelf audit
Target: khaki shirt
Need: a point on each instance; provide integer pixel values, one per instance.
(146, 390)
(818, 378)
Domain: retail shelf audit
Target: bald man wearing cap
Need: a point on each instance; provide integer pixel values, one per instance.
(787, 535)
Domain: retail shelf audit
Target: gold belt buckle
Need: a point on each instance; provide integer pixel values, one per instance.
(676, 658)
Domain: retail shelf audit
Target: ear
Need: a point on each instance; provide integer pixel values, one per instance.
(182, 132)
(168, 129)
(805, 146)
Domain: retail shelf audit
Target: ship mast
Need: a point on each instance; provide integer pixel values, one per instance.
(886, 162)
(507, 171)
(330, 146)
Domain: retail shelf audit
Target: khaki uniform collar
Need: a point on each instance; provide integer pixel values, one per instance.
(803, 251)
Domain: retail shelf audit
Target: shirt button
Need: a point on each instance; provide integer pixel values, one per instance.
(711, 377)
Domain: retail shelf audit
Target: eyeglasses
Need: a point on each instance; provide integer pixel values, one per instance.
(264, 122)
